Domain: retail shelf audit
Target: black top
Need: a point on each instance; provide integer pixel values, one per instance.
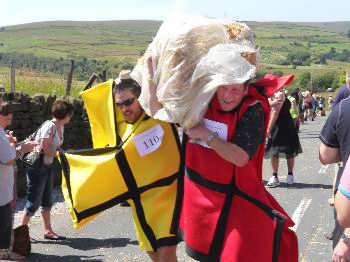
(336, 131)
(250, 129)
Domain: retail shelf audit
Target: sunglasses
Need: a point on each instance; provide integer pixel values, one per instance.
(6, 109)
(127, 102)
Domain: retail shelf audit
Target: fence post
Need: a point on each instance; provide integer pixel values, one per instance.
(103, 76)
(13, 78)
(69, 78)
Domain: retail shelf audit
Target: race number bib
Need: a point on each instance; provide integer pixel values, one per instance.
(217, 128)
(149, 141)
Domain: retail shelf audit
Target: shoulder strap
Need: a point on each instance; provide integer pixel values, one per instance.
(33, 135)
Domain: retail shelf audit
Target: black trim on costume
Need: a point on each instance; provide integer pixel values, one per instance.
(91, 151)
(66, 173)
(231, 190)
(197, 255)
(220, 230)
(132, 186)
(133, 191)
(159, 183)
(99, 208)
(277, 238)
(179, 193)
(116, 200)
(118, 138)
(197, 178)
(167, 241)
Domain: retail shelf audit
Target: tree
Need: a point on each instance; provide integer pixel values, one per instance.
(299, 58)
(348, 34)
(304, 80)
(323, 81)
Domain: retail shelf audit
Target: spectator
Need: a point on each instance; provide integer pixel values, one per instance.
(334, 148)
(40, 180)
(294, 109)
(283, 139)
(8, 152)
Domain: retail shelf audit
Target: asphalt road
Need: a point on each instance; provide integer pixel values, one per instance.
(110, 237)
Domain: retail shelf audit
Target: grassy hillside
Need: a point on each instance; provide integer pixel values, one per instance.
(110, 40)
(126, 40)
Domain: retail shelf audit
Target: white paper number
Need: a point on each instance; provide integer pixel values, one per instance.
(149, 141)
(217, 128)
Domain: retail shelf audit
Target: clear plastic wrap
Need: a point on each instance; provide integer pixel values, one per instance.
(191, 57)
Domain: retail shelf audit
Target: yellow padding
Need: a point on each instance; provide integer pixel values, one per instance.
(99, 106)
(93, 181)
(158, 205)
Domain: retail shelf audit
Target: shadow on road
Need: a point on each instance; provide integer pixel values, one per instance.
(91, 243)
(53, 258)
(303, 185)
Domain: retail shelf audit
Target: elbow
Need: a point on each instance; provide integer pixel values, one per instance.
(324, 159)
(344, 221)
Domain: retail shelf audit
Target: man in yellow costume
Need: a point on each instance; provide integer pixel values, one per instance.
(140, 162)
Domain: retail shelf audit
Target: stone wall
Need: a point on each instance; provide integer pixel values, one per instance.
(31, 112)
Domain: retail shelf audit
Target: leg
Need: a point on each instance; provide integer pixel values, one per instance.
(164, 254)
(154, 256)
(6, 226)
(273, 181)
(290, 165)
(35, 189)
(275, 164)
(5, 235)
(47, 203)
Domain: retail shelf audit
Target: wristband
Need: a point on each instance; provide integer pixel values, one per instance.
(210, 139)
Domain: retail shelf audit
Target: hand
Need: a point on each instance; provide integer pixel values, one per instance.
(198, 132)
(28, 146)
(341, 252)
(12, 139)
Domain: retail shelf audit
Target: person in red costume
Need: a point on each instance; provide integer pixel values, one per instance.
(227, 215)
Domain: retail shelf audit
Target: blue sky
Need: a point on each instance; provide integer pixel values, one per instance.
(25, 11)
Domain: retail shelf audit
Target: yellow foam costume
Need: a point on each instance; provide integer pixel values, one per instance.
(137, 162)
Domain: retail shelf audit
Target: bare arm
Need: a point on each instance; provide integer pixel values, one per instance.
(46, 146)
(154, 104)
(328, 155)
(342, 205)
(227, 150)
(275, 110)
(273, 117)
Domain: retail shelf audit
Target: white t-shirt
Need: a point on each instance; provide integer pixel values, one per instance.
(46, 130)
(7, 153)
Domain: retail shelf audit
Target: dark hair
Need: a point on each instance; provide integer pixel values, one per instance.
(127, 84)
(61, 108)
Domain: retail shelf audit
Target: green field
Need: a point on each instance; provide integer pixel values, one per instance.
(115, 42)
(33, 82)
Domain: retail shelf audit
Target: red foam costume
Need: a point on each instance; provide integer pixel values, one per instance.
(227, 214)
